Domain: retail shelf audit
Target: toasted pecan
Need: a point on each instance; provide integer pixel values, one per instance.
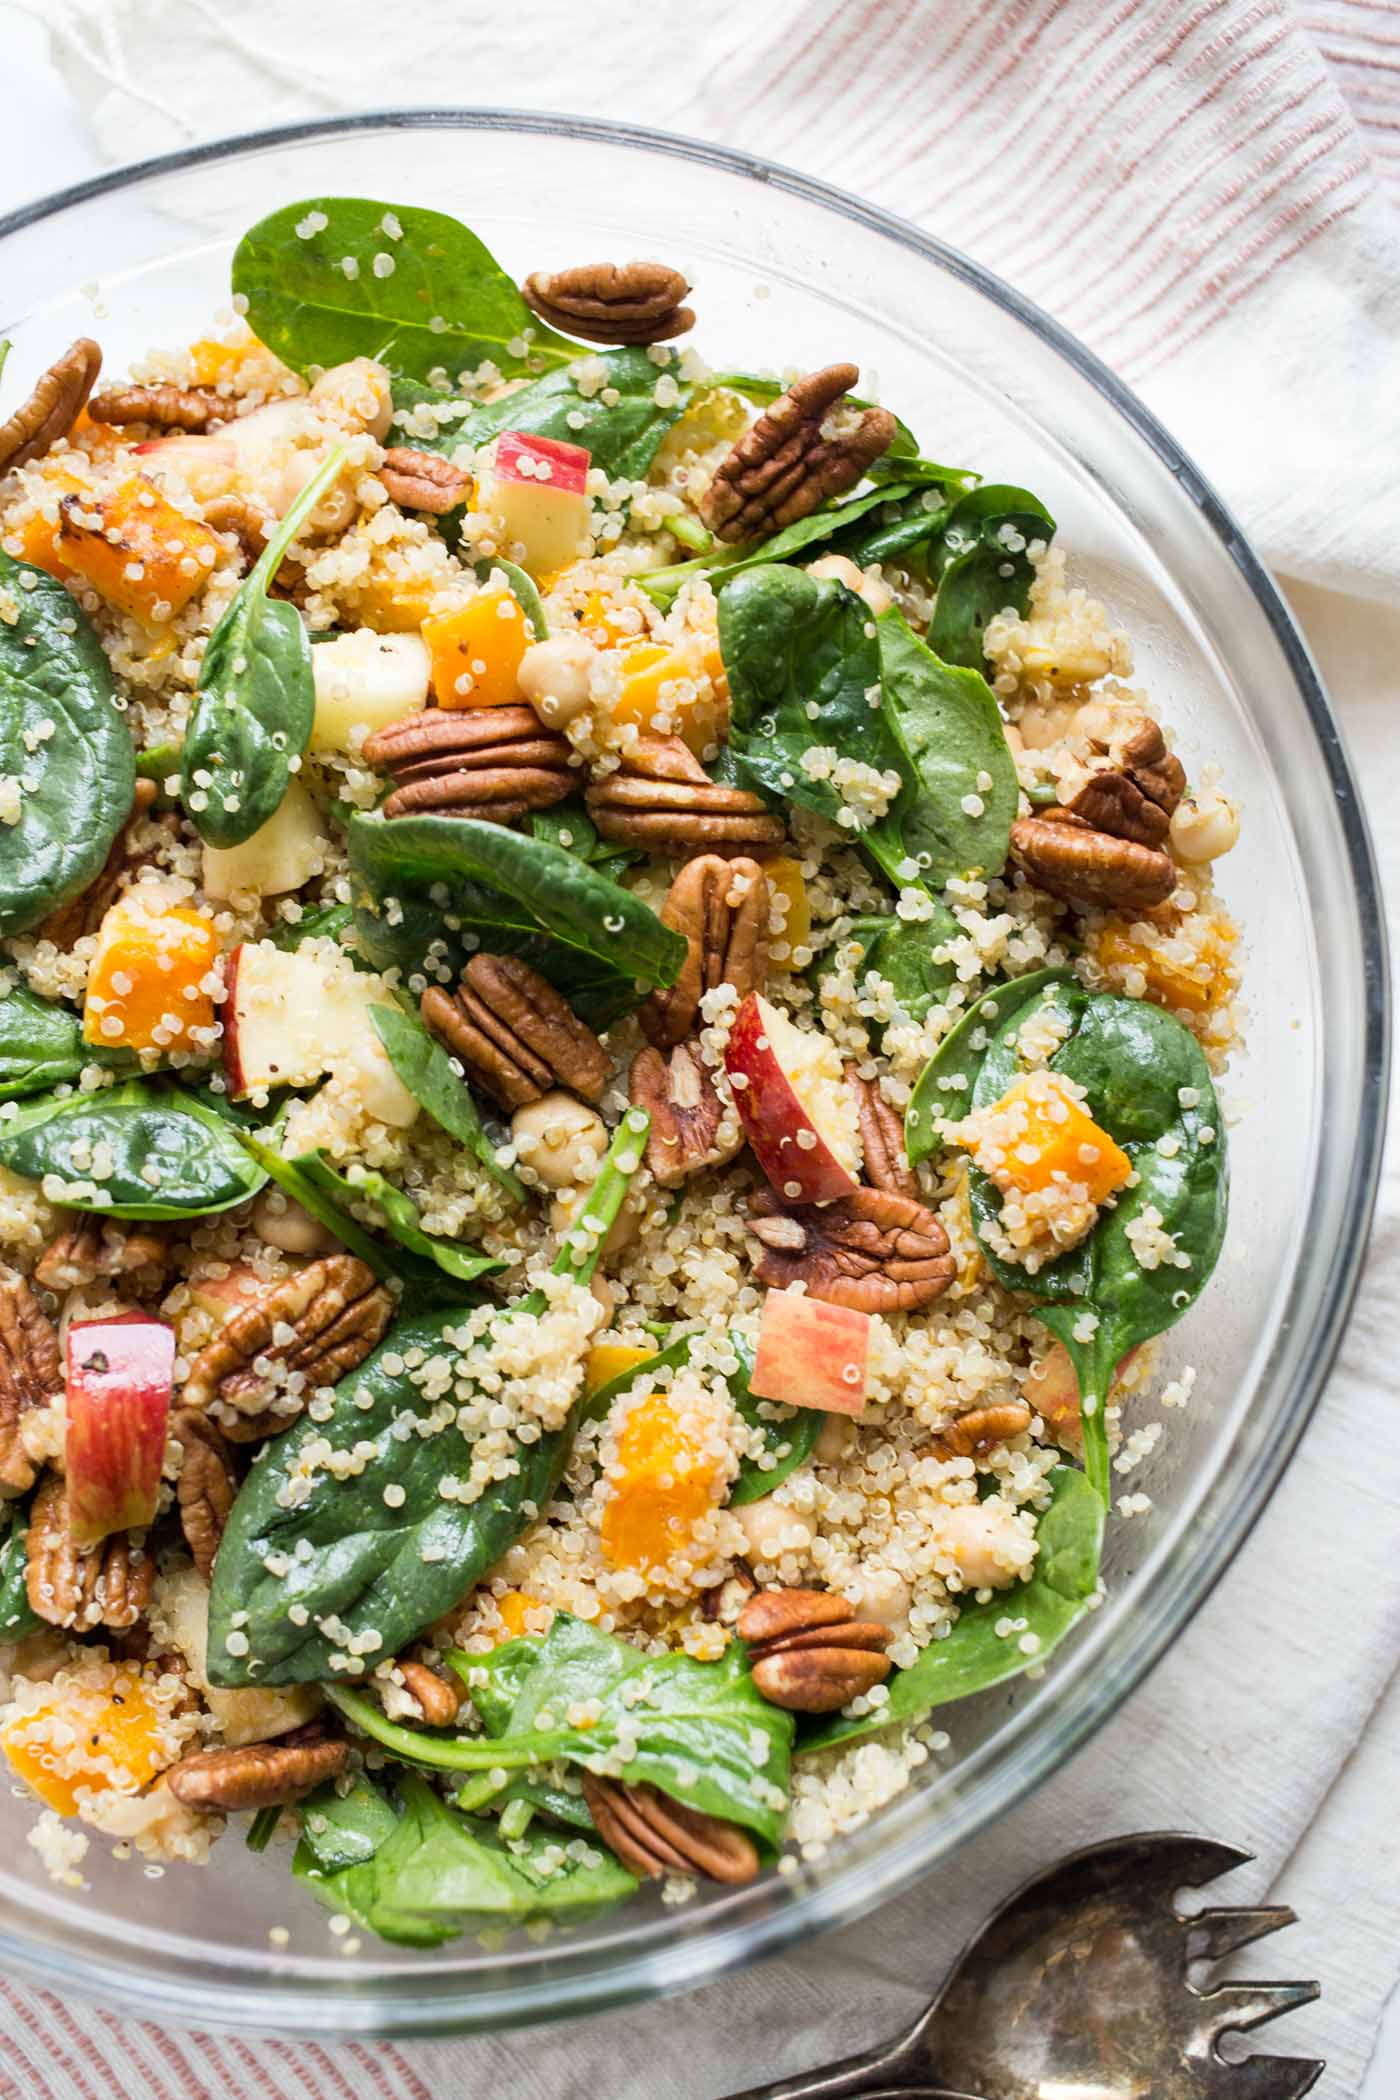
(518, 1037)
(636, 302)
(788, 463)
(875, 1250)
(92, 1248)
(105, 1585)
(31, 1375)
(663, 800)
(207, 1485)
(654, 1835)
(167, 407)
(808, 1652)
(721, 908)
(53, 407)
(439, 1698)
(690, 1126)
(967, 1436)
(423, 480)
(336, 1313)
(259, 1775)
(494, 763)
(881, 1138)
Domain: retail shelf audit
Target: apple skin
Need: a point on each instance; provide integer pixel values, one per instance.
(772, 1115)
(811, 1354)
(120, 1375)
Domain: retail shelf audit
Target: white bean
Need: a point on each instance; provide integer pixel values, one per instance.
(281, 1221)
(986, 1542)
(1204, 827)
(560, 1139)
(554, 677)
(839, 568)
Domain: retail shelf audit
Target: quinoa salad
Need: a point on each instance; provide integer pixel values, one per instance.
(610, 1008)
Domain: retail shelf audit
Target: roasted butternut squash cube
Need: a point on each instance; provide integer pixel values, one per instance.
(97, 1731)
(476, 651)
(1046, 1133)
(149, 985)
(135, 549)
(608, 1360)
(609, 622)
(1192, 986)
(667, 690)
(786, 880)
(517, 1608)
(665, 1488)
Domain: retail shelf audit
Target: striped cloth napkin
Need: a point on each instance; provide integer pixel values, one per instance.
(1205, 192)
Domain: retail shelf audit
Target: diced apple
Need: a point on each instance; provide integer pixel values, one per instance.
(119, 1383)
(279, 856)
(224, 1295)
(363, 1069)
(534, 490)
(253, 1714)
(798, 1113)
(290, 1018)
(364, 681)
(811, 1354)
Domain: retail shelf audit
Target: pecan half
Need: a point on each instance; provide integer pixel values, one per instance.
(1106, 848)
(1134, 796)
(31, 1374)
(91, 1248)
(874, 1249)
(881, 1138)
(654, 1835)
(518, 1037)
(108, 1585)
(808, 1653)
(163, 407)
(53, 407)
(690, 1128)
(83, 914)
(980, 1428)
(785, 465)
(439, 1701)
(258, 1775)
(250, 524)
(423, 480)
(206, 1487)
(494, 763)
(721, 907)
(335, 1312)
(636, 302)
(664, 801)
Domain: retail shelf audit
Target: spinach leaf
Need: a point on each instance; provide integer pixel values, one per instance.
(523, 589)
(435, 1874)
(522, 896)
(170, 1155)
(694, 1724)
(673, 1357)
(64, 740)
(904, 952)
(331, 922)
(354, 1568)
(905, 531)
(344, 1830)
(943, 1092)
(569, 825)
(256, 699)
(333, 278)
(789, 1434)
(41, 1044)
(290, 1177)
(984, 566)
(400, 1215)
(427, 1071)
(834, 522)
(976, 1655)
(17, 1621)
(619, 421)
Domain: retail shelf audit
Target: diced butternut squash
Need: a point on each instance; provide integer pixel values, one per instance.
(609, 622)
(1195, 987)
(516, 1608)
(95, 1732)
(608, 1360)
(785, 879)
(665, 1490)
(212, 361)
(476, 651)
(135, 549)
(1054, 1137)
(148, 987)
(669, 680)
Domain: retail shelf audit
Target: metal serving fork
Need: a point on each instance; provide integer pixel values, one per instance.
(1078, 1989)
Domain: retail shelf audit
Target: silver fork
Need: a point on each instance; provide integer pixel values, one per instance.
(1078, 1988)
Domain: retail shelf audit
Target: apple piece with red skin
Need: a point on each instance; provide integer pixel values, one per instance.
(535, 491)
(120, 1378)
(811, 1354)
(781, 1128)
(234, 1291)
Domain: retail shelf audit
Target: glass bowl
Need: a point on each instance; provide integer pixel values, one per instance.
(790, 272)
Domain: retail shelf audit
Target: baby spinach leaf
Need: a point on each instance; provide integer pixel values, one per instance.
(333, 278)
(618, 421)
(344, 1830)
(331, 922)
(905, 952)
(523, 589)
(41, 1044)
(789, 1434)
(984, 566)
(833, 522)
(975, 1655)
(672, 1358)
(427, 1071)
(943, 1092)
(569, 825)
(256, 699)
(169, 1154)
(17, 1621)
(400, 1215)
(521, 896)
(64, 740)
(356, 1566)
(436, 1874)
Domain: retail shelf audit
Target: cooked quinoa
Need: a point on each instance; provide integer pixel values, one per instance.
(596, 1115)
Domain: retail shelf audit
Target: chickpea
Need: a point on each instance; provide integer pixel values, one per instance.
(770, 1530)
(1204, 826)
(560, 1139)
(987, 1543)
(879, 1595)
(554, 677)
(834, 1439)
(335, 509)
(565, 1208)
(281, 1221)
(839, 568)
(1042, 724)
(357, 392)
(606, 1296)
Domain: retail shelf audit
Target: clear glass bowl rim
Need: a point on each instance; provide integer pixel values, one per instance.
(387, 2009)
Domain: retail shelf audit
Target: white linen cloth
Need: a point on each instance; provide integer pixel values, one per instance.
(1204, 190)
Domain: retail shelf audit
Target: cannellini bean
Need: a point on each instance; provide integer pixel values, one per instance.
(839, 568)
(554, 677)
(357, 392)
(880, 1595)
(560, 1139)
(283, 1223)
(566, 1206)
(771, 1530)
(1204, 826)
(987, 1543)
(335, 509)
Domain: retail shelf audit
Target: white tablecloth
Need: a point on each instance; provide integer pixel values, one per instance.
(1255, 222)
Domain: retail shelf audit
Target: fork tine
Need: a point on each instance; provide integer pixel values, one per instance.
(1235, 2007)
(1223, 1931)
(1270, 2077)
